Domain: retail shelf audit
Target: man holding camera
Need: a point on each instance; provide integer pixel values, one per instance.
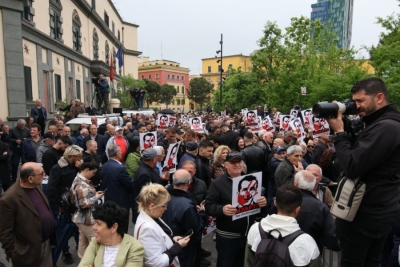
(375, 158)
(102, 93)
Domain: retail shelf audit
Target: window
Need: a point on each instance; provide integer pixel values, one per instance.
(106, 21)
(28, 83)
(113, 27)
(94, 4)
(177, 89)
(76, 32)
(107, 53)
(95, 45)
(183, 101)
(169, 76)
(57, 83)
(219, 68)
(230, 66)
(183, 89)
(182, 78)
(142, 76)
(56, 20)
(78, 89)
(29, 11)
(178, 101)
(209, 68)
(156, 75)
(149, 76)
(119, 35)
(173, 77)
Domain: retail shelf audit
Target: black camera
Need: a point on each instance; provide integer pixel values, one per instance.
(329, 110)
(95, 79)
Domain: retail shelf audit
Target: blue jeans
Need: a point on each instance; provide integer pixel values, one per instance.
(15, 159)
(362, 241)
(230, 251)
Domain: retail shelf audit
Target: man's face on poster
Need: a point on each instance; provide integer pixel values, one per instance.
(285, 122)
(318, 122)
(149, 141)
(265, 123)
(163, 121)
(173, 152)
(196, 123)
(294, 114)
(306, 114)
(297, 125)
(248, 189)
(172, 121)
(251, 117)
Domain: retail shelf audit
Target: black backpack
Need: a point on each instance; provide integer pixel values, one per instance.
(274, 252)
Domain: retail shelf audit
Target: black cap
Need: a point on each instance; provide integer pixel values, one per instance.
(234, 155)
(48, 135)
(191, 146)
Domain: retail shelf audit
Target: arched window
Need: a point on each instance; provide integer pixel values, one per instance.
(76, 32)
(107, 53)
(56, 20)
(95, 45)
(183, 101)
(114, 65)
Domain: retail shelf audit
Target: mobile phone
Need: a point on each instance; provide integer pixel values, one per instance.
(188, 233)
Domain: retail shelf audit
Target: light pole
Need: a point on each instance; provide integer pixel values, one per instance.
(221, 70)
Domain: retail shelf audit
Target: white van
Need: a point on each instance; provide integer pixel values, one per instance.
(75, 124)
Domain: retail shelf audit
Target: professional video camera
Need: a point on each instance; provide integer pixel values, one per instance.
(330, 110)
(95, 79)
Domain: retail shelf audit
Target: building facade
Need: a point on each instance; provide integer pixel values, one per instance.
(51, 49)
(338, 14)
(211, 67)
(167, 72)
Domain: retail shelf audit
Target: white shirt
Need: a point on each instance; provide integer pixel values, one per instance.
(110, 254)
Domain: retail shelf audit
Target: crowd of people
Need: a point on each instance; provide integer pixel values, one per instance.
(84, 187)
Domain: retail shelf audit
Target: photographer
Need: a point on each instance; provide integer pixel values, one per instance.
(375, 158)
(102, 92)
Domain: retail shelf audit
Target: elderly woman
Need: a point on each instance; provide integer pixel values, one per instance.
(111, 246)
(161, 248)
(84, 196)
(217, 167)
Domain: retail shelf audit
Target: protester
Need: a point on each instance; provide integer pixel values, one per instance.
(100, 140)
(239, 144)
(289, 166)
(253, 155)
(18, 135)
(31, 144)
(192, 149)
(133, 160)
(203, 161)
(44, 145)
(217, 167)
(76, 109)
(161, 246)
(322, 193)
(39, 114)
(120, 140)
(111, 245)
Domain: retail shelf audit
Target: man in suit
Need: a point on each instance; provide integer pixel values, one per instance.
(100, 140)
(228, 137)
(39, 114)
(27, 224)
(117, 183)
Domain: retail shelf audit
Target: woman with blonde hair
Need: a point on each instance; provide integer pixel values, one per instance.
(161, 247)
(217, 167)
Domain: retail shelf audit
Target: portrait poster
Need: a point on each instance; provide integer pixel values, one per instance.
(294, 114)
(320, 126)
(244, 112)
(284, 123)
(147, 140)
(171, 161)
(196, 125)
(246, 190)
(172, 121)
(305, 115)
(251, 118)
(210, 227)
(162, 122)
(297, 125)
(223, 113)
(184, 118)
(220, 118)
(267, 124)
(277, 120)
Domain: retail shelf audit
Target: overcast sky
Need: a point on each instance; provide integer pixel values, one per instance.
(187, 31)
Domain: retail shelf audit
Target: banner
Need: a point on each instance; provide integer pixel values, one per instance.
(267, 124)
(147, 140)
(246, 190)
(284, 123)
(305, 115)
(320, 126)
(170, 161)
(162, 122)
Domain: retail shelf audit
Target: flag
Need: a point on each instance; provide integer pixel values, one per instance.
(120, 56)
(111, 68)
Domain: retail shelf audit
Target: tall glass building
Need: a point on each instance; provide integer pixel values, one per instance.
(339, 14)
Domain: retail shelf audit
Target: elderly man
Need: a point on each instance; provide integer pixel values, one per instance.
(231, 235)
(39, 114)
(18, 135)
(77, 109)
(80, 139)
(120, 140)
(66, 131)
(110, 132)
(289, 166)
(321, 192)
(309, 157)
(27, 224)
(100, 140)
(314, 217)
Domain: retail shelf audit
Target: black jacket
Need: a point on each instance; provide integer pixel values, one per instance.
(272, 168)
(143, 176)
(50, 158)
(284, 173)
(219, 195)
(101, 144)
(4, 165)
(318, 151)
(316, 220)
(254, 158)
(230, 139)
(203, 169)
(375, 157)
(18, 134)
(198, 189)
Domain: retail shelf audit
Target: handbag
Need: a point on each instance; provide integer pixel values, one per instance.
(348, 198)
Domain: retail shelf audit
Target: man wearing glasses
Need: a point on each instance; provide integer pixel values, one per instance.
(308, 157)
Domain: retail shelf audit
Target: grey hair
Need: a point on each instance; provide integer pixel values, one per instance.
(113, 150)
(21, 121)
(303, 181)
(261, 133)
(315, 166)
(293, 149)
(84, 131)
(181, 180)
(158, 149)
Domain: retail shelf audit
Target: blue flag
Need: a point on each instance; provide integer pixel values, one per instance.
(119, 56)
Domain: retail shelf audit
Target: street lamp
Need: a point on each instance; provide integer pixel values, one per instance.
(221, 70)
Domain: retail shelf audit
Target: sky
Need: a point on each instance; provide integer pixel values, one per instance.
(186, 31)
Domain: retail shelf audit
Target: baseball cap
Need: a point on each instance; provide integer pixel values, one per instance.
(149, 154)
(118, 128)
(191, 146)
(48, 135)
(279, 149)
(234, 155)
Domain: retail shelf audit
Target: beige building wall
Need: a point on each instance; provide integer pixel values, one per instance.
(131, 66)
(3, 82)
(30, 60)
(130, 37)
(42, 16)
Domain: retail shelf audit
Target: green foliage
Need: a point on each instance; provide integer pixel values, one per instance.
(199, 90)
(128, 82)
(153, 91)
(167, 93)
(385, 56)
(126, 100)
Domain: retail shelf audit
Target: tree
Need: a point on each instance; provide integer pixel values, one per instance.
(167, 93)
(128, 82)
(153, 90)
(199, 90)
(385, 56)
